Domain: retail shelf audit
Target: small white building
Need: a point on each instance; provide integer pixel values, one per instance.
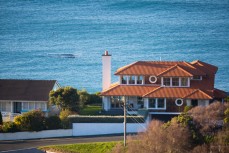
(19, 96)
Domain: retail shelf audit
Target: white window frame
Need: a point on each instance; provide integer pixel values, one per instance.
(128, 79)
(156, 104)
(171, 83)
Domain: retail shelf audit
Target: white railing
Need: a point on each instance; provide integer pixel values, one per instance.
(8, 116)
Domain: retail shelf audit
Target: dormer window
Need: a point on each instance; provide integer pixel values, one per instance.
(124, 79)
(166, 81)
(184, 82)
(175, 82)
(132, 80)
(139, 79)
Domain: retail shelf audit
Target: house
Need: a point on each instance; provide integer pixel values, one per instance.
(164, 88)
(19, 96)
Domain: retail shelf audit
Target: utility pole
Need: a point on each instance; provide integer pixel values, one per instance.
(124, 121)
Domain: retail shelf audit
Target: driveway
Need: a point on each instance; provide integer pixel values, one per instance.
(26, 146)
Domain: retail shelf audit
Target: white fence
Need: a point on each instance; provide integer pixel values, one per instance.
(84, 129)
(36, 135)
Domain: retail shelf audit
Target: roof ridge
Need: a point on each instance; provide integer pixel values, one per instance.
(125, 67)
(196, 91)
(152, 91)
(178, 66)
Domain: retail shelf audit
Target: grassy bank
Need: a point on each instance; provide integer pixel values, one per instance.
(98, 147)
(90, 110)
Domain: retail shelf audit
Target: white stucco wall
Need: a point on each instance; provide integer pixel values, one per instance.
(106, 103)
(36, 135)
(84, 129)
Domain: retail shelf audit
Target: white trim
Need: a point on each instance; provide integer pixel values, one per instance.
(155, 79)
(182, 102)
(172, 113)
(156, 101)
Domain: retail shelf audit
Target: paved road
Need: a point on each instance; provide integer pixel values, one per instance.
(27, 146)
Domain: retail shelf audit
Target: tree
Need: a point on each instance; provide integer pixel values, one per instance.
(65, 98)
(83, 97)
(95, 98)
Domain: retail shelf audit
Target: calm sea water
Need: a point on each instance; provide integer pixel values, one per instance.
(65, 40)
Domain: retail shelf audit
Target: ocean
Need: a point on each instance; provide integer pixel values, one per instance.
(64, 40)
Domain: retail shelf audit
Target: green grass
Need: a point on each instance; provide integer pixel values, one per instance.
(98, 147)
(90, 110)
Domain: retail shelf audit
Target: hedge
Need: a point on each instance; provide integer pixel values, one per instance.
(105, 119)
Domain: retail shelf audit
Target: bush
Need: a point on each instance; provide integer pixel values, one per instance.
(52, 122)
(1, 122)
(30, 121)
(105, 119)
(9, 127)
(174, 138)
(64, 118)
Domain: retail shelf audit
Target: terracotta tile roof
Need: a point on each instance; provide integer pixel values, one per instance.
(219, 93)
(198, 94)
(175, 71)
(157, 92)
(169, 92)
(173, 68)
(128, 90)
(27, 90)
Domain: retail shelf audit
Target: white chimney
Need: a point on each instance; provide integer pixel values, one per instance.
(106, 61)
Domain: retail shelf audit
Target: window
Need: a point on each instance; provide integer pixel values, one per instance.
(160, 103)
(31, 106)
(25, 106)
(132, 80)
(3, 107)
(184, 82)
(43, 106)
(139, 79)
(157, 103)
(175, 82)
(152, 103)
(124, 79)
(140, 102)
(166, 81)
(117, 101)
(197, 78)
(37, 106)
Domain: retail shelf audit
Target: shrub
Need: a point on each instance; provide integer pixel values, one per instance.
(30, 121)
(9, 127)
(187, 108)
(64, 118)
(174, 138)
(52, 122)
(1, 122)
(105, 119)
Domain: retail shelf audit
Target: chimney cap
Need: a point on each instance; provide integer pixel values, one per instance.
(106, 53)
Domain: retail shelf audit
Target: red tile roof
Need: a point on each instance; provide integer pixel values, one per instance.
(128, 90)
(166, 68)
(198, 94)
(158, 92)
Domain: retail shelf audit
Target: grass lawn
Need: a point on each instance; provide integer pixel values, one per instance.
(97, 147)
(90, 110)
